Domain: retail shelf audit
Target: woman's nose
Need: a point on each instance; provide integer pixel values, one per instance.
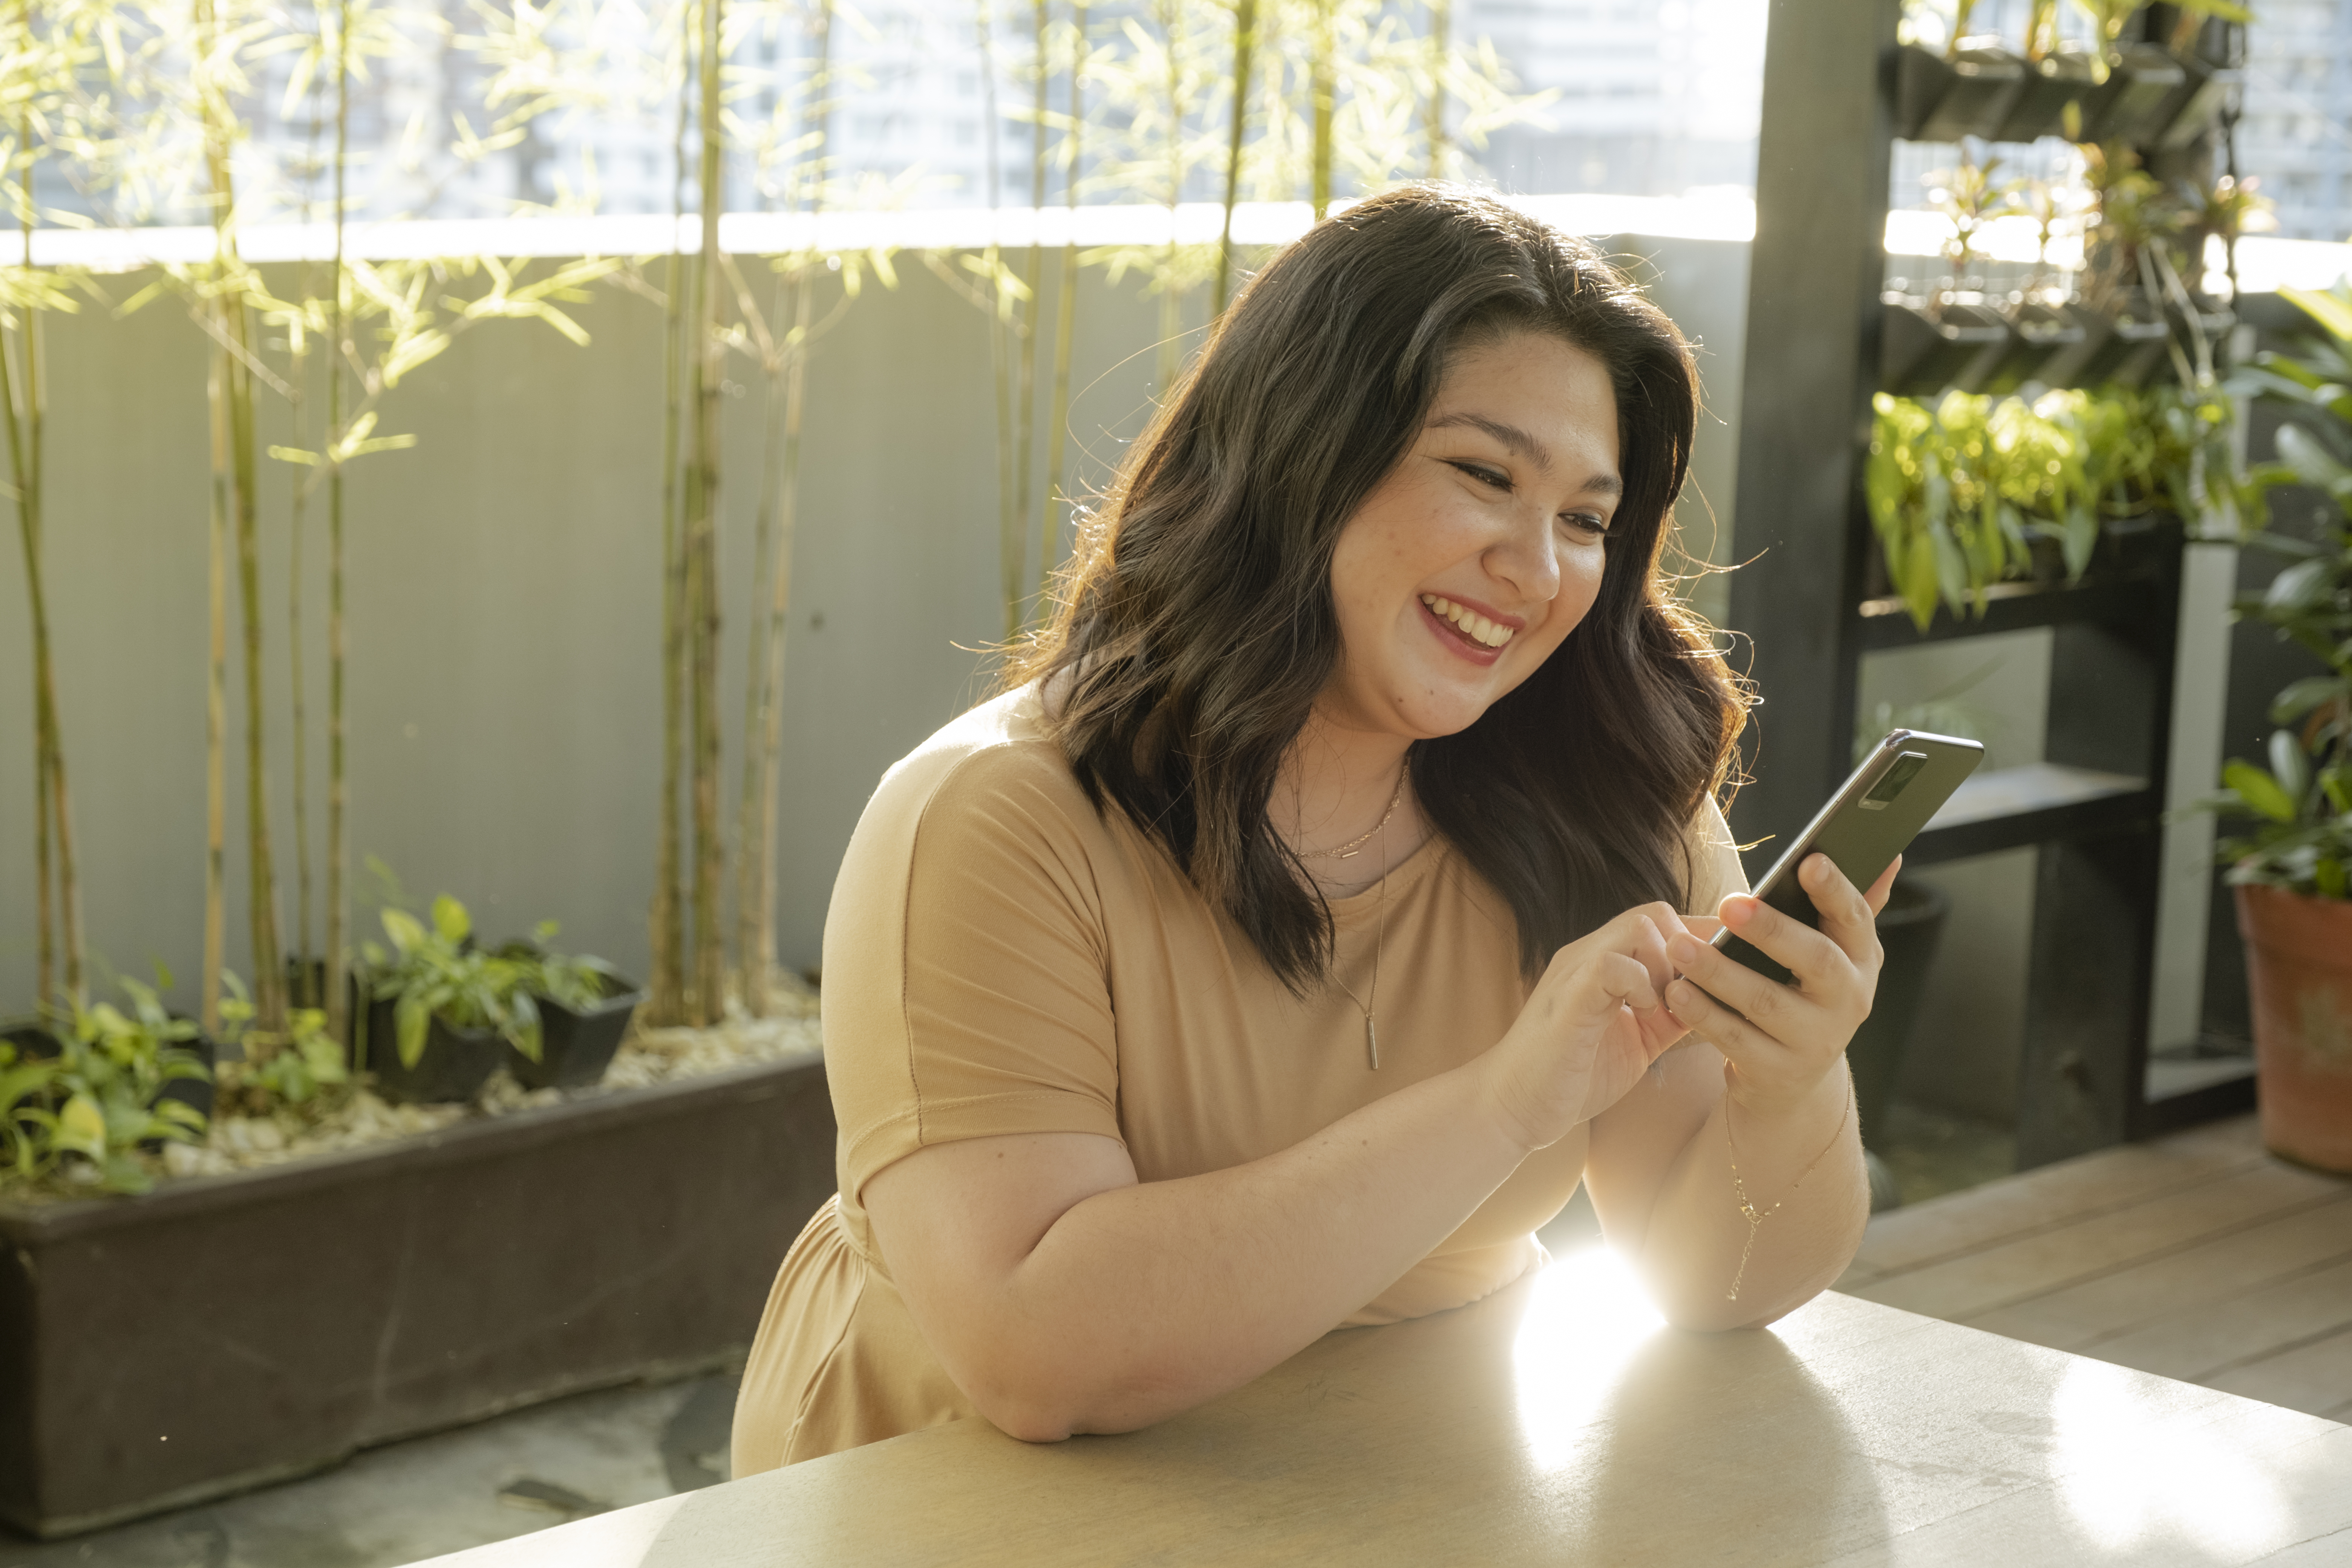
(1527, 558)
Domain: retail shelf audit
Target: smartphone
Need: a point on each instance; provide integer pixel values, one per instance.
(1872, 818)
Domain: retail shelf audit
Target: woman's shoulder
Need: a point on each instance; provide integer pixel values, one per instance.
(997, 761)
(1710, 859)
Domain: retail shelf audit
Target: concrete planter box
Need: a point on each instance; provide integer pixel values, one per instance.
(231, 1331)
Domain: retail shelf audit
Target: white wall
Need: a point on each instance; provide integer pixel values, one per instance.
(505, 618)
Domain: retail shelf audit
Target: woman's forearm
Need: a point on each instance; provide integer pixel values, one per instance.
(1807, 1161)
(1144, 1300)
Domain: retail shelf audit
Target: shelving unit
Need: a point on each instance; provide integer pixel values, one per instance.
(2092, 807)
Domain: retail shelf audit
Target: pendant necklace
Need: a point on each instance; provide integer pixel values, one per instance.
(1370, 999)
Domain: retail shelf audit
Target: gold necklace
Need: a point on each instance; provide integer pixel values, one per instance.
(1370, 999)
(1355, 847)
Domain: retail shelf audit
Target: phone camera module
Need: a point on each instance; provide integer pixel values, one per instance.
(1894, 780)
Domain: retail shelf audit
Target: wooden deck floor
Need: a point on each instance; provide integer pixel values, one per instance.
(2197, 1257)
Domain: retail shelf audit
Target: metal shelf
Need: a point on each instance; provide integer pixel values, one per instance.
(2008, 808)
(2121, 600)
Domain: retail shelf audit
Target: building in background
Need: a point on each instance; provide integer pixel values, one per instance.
(2297, 131)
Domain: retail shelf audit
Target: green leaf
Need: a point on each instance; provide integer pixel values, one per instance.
(411, 1017)
(2301, 586)
(81, 1128)
(2289, 766)
(2302, 696)
(2330, 311)
(407, 933)
(2312, 462)
(450, 919)
(2327, 874)
(2260, 791)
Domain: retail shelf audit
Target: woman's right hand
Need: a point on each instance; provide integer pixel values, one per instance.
(1591, 1028)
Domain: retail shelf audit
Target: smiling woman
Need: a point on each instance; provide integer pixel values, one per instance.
(1321, 902)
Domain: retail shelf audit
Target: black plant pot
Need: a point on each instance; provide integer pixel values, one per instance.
(2038, 335)
(1922, 356)
(456, 1063)
(574, 1048)
(305, 983)
(35, 1040)
(198, 1094)
(1968, 95)
(2039, 110)
(1908, 929)
(2130, 105)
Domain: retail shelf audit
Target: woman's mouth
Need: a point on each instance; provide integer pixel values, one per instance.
(1468, 632)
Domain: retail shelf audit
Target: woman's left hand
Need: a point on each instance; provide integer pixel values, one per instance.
(1782, 1039)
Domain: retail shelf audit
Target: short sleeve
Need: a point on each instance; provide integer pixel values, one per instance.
(965, 947)
(1713, 859)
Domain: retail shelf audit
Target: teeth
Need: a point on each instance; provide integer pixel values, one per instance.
(1470, 623)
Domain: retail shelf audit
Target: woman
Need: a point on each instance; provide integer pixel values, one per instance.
(1285, 947)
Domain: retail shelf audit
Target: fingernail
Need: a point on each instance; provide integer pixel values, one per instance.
(1683, 951)
(1739, 912)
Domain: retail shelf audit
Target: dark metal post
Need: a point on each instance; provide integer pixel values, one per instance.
(1815, 274)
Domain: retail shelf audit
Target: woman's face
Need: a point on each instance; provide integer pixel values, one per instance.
(1483, 548)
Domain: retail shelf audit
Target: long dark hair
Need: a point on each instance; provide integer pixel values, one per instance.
(1196, 628)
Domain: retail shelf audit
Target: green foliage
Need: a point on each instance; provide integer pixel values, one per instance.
(292, 1068)
(78, 1119)
(1959, 492)
(435, 970)
(2299, 805)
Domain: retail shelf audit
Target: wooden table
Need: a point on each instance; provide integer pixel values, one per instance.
(1559, 1422)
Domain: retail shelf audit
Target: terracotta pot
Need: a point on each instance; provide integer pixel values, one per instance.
(2299, 970)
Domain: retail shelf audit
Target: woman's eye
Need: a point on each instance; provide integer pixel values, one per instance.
(1586, 523)
(1486, 475)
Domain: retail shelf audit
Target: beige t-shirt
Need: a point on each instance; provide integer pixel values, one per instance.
(1000, 957)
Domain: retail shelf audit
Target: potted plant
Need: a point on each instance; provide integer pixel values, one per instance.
(585, 1007)
(81, 1118)
(2292, 870)
(266, 1069)
(441, 1010)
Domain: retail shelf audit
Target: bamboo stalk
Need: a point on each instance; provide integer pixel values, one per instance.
(1011, 515)
(1244, 52)
(1440, 27)
(779, 514)
(1320, 89)
(1025, 388)
(1171, 304)
(28, 528)
(216, 697)
(298, 354)
(57, 896)
(667, 1003)
(709, 968)
(1066, 313)
(69, 880)
(217, 398)
(337, 847)
(751, 976)
(235, 384)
